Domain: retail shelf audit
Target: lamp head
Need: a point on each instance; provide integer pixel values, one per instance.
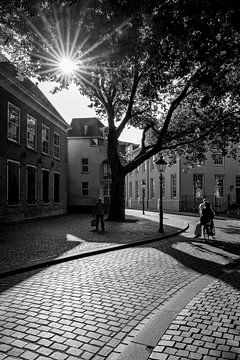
(161, 164)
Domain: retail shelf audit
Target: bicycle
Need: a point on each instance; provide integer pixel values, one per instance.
(209, 230)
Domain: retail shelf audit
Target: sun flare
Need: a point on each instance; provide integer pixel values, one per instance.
(67, 66)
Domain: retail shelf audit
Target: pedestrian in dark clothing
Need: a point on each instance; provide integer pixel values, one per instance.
(207, 215)
(98, 212)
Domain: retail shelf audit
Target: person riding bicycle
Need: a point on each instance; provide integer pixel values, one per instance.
(207, 216)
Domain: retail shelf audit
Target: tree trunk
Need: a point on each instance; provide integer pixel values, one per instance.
(117, 204)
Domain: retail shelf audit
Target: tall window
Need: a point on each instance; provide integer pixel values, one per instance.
(219, 186)
(107, 189)
(84, 188)
(31, 184)
(130, 190)
(151, 163)
(56, 187)
(45, 186)
(45, 139)
(13, 123)
(31, 132)
(152, 190)
(173, 185)
(198, 185)
(84, 165)
(136, 190)
(56, 145)
(13, 182)
(144, 166)
(106, 170)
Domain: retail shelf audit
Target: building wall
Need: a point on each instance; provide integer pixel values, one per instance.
(151, 194)
(80, 148)
(24, 156)
(185, 198)
(229, 169)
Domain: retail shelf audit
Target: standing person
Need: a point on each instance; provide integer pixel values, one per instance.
(98, 212)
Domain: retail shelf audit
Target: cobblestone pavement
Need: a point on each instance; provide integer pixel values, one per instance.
(32, 242)
(95, 308)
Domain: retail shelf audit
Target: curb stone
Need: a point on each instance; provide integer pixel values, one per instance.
(87, 253)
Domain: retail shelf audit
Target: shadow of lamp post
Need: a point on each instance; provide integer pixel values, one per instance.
(161, 166)
(143, 196)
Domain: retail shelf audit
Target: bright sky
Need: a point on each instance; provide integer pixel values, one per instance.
(70, 104)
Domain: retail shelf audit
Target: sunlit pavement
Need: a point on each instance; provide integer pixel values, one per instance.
(172, 299)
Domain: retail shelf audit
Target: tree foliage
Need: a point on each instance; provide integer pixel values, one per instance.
(169, 67)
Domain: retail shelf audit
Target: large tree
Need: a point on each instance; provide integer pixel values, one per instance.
(169, 67)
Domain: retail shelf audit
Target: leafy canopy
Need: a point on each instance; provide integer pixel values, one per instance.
(169, 67)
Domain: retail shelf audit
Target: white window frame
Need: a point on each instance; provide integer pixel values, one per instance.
(19, 182)
(35, 187)
(56, 147)
(218, 158)
(152, 188)
(85, 166)
(85, 182)
(130, 189)
(173, 186)
(198, 190)
(29, 117)
(45, 140)
(18, 126)
(219, 194)
(136, 189)
(107, 189)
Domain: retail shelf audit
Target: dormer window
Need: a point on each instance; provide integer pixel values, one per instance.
(94, 142)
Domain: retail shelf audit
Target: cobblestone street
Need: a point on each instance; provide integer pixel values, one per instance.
(171, 299)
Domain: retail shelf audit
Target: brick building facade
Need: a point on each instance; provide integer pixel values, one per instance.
(33, 151)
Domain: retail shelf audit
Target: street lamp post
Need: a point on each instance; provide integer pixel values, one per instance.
(143, 196)
(161, 166)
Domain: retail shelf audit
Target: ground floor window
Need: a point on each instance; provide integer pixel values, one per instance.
(136, 190)
(219, 186)
(198, 185)
(107, 189)
(45, 186)
(56, 187)
(173, 185)
(152, 188)
(130, 190)
(84, 188)
(31, 184)
(13, 182)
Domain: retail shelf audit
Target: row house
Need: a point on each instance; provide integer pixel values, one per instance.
(217, 179)
(33, 151)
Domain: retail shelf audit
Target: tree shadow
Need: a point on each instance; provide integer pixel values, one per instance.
(214, 257)
(34, 242)
(230, 230)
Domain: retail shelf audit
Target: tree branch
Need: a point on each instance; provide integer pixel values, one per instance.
(130, 103)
